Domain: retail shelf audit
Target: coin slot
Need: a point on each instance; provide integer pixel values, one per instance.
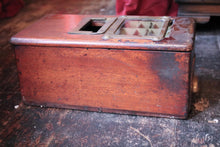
(93, 25)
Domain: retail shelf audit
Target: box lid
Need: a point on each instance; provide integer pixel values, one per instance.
(55, 30)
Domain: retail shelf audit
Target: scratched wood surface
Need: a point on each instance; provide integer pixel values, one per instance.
(22, 125)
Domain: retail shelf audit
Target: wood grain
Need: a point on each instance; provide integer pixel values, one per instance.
(138, 81)
(56, 27)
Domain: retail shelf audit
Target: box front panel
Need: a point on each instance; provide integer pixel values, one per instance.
(149, 82)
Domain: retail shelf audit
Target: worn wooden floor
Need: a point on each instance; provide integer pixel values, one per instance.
(22, 125)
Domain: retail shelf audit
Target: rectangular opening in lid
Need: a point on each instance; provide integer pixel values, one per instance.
(93, 25)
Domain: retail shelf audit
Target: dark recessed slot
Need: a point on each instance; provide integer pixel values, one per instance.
(93, 25)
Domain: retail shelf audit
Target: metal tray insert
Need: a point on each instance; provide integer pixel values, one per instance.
(131, 27)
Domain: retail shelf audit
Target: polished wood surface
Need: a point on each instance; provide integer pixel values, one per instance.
(139, 81)
(199, 1)
(200, 10)
(132, 76)
(52, 30)
(25, 125)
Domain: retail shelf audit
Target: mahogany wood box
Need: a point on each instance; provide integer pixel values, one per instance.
(120, 64)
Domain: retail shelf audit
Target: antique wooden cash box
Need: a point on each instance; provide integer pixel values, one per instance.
(135, 65)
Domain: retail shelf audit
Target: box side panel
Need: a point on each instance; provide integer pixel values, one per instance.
(191, 78)
(135, 82)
